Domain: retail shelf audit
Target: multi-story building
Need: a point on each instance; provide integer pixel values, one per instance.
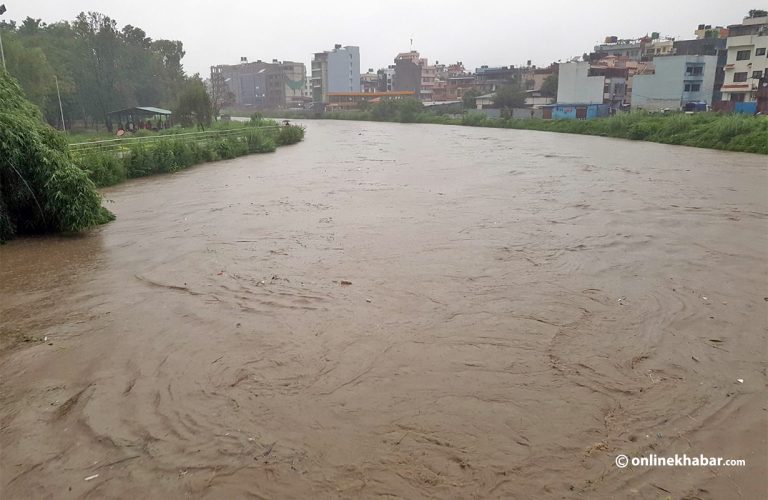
(576, 84)
(428, 80)
(262, 85)
(630, 48)
(659, 47)
(488, 79)
(353, 100)
(707, 46)
(707, 31)
(587, 83)
(386, 79)
(414, 73)
(407, 73)
(533, 77)
(676, 82)
(294, 79)
(747, 60)
(369, 82)
(336, 70)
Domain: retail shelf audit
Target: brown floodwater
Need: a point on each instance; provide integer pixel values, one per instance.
(390, 310)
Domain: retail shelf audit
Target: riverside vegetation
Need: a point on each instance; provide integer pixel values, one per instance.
(41, 188)
(730, 132)
(45, 188)
(171, 154)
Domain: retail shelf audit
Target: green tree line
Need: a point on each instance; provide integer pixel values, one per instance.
(100, 68)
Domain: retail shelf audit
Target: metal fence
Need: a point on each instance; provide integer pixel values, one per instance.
(122, 145)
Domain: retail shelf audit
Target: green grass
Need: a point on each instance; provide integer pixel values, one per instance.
(92, 136)
(131, 159)
(730, 132)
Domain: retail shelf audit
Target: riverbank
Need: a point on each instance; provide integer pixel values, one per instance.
(112, 161)
(742, 133)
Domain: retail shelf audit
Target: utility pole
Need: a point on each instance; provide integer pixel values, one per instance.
(2, 53)
(61, 109)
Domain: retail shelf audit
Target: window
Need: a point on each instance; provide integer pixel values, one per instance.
(692, 87)
(760, 51)
(757, 74)
(740, 77)
(694, 70)
(742, 55)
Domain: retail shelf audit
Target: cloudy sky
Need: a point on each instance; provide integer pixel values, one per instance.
(493, 32)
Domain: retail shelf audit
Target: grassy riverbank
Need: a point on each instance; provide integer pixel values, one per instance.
(113, 161)
(703, 130)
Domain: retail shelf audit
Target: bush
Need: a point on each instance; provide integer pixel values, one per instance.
(41, 188)
(290, 134)
(138, 161)
(163, 158)
(104, 169)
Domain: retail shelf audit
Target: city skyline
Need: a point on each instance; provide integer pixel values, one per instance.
(441, 31)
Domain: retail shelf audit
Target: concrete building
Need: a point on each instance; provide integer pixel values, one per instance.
(407, 73)
(336, 70)
(428, 80)
(577, 84)
(705, 31)
(353, 100)
(369, 81)
(605, 81)
(707, 47)
(659, 47)
(677, 81)
(294, 80)
(386, 79)
(263, 85)
(631, 48)
(489, 79)
(414, 73)
(533, 77)
(747, 59)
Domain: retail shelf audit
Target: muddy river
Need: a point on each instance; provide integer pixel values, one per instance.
(398, 311)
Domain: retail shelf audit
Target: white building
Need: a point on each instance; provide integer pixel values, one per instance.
(747, 59)
(576, 86)
(336, 70)
(677, 81)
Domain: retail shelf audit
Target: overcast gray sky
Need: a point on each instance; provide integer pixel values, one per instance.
(496, 33)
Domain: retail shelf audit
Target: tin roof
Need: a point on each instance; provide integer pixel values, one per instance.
(145, 109)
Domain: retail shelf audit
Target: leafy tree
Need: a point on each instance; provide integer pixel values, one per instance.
(468, 99)
(100, 68)
(221, 95)
(194, 105)
(758, 13)
(409, 109)
(509, 96)
(549, 87)
(30, 67)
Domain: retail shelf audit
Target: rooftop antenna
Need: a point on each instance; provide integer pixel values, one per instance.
(411, 42)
